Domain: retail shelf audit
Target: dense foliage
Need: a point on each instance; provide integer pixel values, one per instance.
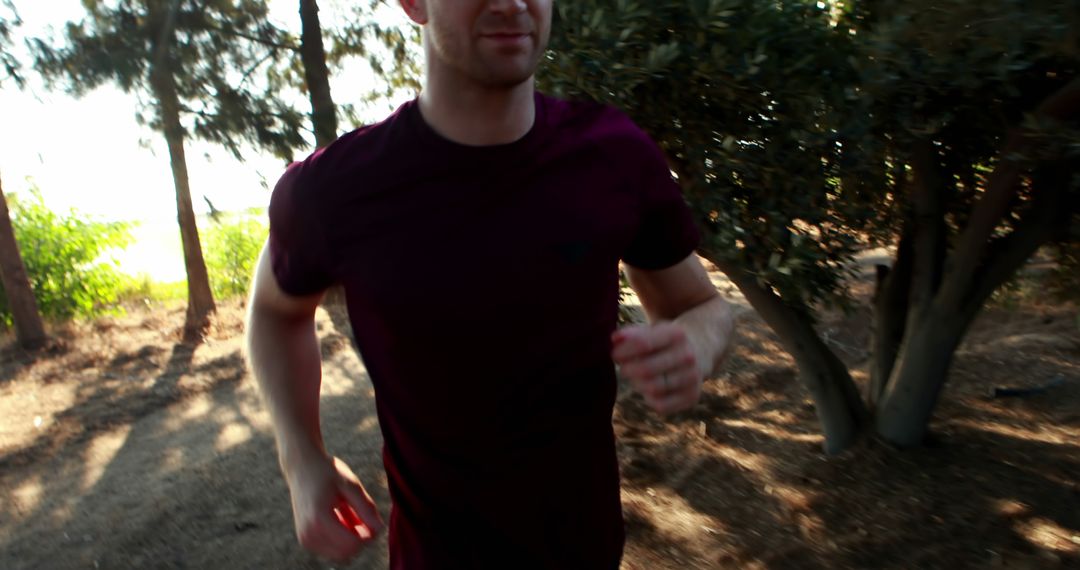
(753, 103)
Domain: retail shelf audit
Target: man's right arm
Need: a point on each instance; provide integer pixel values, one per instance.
(283, 352)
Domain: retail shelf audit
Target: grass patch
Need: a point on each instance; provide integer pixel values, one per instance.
(142, 290)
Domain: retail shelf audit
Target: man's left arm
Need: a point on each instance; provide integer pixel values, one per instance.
(688, 335)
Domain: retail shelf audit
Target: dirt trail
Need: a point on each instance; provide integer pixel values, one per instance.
(121, 448)
(176, 472)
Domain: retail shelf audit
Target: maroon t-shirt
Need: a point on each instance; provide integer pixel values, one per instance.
(482, 285)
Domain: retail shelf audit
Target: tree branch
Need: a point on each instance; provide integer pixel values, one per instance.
(891, 304)
(1006, 255)
(928, 228)
(209, 26)
(258, 64)
(1001, 190)
(836, 398)
(214, 116)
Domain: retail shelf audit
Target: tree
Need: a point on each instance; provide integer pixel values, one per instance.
(987, 182)
(804, 132)
(316, 75)
(8, 63)
(193, 61)
(388, 50)
(392, 52)
(29, 329)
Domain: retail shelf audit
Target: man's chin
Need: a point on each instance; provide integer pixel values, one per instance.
(507, 78)
(504, 70)
(506, 83)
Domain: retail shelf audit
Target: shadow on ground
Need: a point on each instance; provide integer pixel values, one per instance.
(163, 459)
(173, 467)
(741, 482)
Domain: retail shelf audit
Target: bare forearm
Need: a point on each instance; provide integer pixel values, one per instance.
(709, 327)
(285, 359)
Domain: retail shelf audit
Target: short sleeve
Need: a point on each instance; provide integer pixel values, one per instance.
(666, 232)
(297, 246)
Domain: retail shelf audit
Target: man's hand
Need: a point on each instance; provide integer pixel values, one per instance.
(660, 363)
(335, 517)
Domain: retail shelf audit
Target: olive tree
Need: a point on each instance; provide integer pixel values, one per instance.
(805, 132)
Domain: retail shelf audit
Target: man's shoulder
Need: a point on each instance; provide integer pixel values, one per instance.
(579, 113)
(356, 150)
(597, 123)
(360, 147)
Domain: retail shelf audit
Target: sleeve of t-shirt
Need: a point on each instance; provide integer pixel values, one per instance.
(666, 232)
(297, 242)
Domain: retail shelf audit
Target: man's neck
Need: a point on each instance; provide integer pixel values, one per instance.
(478, 116)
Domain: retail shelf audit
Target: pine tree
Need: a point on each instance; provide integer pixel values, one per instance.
(196, 65)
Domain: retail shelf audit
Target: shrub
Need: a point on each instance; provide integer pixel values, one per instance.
(68, 259)
(232, 246)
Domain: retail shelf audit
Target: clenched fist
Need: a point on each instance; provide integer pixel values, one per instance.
(334, 516)
(661, 364)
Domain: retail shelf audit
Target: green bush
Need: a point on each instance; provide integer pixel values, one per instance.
(232, 246)
(68, 259)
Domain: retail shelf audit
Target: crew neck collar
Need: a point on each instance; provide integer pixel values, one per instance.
(438, 142)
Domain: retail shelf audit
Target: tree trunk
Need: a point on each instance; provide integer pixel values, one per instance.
(29, 330)
(836, 398)
(929, 233)
(890, 319)
(903, 415)
(324, 123)
(200, 299)
(916, 384)
(316, 75)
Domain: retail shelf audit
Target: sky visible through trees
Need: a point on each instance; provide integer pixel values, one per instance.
(90, 153)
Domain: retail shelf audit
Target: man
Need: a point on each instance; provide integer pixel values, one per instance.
(478, 233)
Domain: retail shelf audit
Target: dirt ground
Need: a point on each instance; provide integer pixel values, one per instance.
(120, 447)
